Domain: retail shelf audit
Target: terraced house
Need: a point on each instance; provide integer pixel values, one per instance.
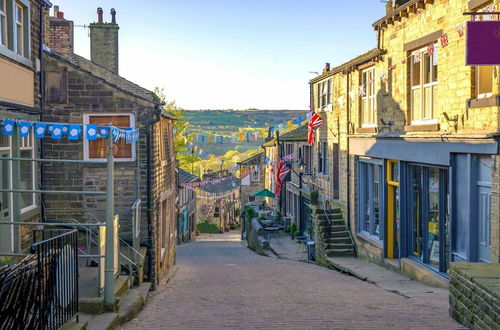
(417, 132)
(22, 28)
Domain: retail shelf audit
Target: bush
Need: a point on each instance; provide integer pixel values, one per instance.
(234, 225)
(288, 229)
(293, 227)
(249, 213)
(208, 228)
(262, 217)
(296, 233)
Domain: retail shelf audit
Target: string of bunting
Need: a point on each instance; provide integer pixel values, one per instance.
(74, 132)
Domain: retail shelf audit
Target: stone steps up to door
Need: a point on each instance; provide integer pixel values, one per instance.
(333, 235)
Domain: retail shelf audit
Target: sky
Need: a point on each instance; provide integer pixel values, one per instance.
(231, 54)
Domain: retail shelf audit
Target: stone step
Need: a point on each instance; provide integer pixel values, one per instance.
(332, 222)
(338, 228)
(329, 216)
(338, 240)
(340, 252)
(333, 210)
(339, 246)
(333, 234)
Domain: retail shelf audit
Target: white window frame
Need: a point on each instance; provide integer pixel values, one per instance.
(255, 176)
(19, 26)
(28, 143)
(86, 118)
(477, 68)
(423, 86)
(368, 100)
(4, 36)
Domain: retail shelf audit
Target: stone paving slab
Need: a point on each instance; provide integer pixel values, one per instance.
(221, 284)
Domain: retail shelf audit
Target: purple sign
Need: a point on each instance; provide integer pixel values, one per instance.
(483, 43)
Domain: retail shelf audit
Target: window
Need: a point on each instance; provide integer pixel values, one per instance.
(323, 158)
(15, 30)
(97, 149)
(19, 28)
(289, 148)
(27, 169)
(325, 93)
(484, 74)
(3, 23)
(307, 158)
(424, 80)
(368, 99)
(256, 175)
(370, 202)
(166, 140)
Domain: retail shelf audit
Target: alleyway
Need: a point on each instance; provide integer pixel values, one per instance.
(221, 284)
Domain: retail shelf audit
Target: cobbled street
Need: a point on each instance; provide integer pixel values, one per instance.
(221, 284)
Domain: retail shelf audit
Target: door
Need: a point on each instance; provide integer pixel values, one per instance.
(392, 230)
(5, 230)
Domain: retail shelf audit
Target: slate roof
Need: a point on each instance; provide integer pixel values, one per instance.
(363, 58)
(253, 160)
(298, 134)
(221, 187)
(186, 177)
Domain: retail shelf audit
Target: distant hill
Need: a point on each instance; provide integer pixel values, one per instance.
(229, 122)
(240, 119)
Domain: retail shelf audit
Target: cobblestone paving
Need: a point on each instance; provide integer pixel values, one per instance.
(220, 284)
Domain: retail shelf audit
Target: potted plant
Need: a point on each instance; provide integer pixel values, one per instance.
(293, 230)
(314, 197)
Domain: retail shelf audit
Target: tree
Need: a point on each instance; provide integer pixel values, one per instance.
(185, 156)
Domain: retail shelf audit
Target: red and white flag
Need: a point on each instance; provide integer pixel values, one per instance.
(281, 173)
(314, 123)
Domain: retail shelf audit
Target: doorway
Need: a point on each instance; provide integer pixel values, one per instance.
(392, 230)
(6, 231)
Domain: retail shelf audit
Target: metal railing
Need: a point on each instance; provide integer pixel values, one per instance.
(57, 262)
(41, 292)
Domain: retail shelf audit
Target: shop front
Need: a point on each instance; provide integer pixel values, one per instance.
(425, 202)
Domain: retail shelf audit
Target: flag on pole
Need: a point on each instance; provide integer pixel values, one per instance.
(314, 123)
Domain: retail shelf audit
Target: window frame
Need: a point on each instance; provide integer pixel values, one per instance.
(368, 98)
(422, 86)
(28, 144)
(4, 35)
(477, 68)
(368, 183)
(10, 49)
(86, 143)
(255, 176)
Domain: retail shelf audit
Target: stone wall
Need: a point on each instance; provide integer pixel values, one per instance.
(475, 294)
(256, 237)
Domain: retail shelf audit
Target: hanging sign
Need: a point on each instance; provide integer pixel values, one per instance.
(483, 43)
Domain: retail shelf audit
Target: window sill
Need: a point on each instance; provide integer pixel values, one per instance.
(422, 127)
(483, 102)
(366, 130)
(16, 57)
(367, 238)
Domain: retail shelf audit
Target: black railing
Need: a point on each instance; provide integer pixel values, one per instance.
(57, 280)
(41, 291)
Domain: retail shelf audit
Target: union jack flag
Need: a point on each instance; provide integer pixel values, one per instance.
(314, 123)
(281, 173)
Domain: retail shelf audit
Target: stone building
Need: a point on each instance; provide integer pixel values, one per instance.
(186, 221)
(81, 91)
(297, 188)
(417, 135)
(217, 203)
(21, 88)
(270, 156)
(252, 178)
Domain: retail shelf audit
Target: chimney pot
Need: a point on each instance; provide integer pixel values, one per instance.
(99, 15)
(56, 9)
(327, 66)
(113, 15)
(60, 15)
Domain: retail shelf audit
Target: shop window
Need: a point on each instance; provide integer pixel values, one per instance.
(98, 149)
(424, 81)
(370, 201)
(429, 215)
(368, 98)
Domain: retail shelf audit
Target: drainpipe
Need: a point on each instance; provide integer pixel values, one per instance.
(41, 92)
(348, 157)
(149, 176)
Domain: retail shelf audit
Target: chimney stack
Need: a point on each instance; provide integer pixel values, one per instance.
(104, 42)
(61, 39)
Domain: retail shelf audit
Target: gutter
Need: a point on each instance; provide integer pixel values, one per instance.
(149, 197)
